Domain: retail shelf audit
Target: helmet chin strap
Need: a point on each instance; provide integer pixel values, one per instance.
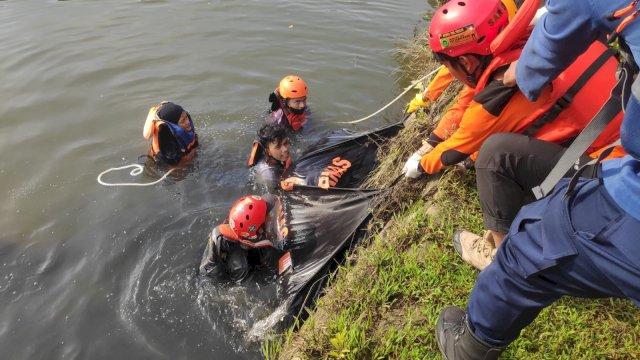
(482, 64)
(471, 78)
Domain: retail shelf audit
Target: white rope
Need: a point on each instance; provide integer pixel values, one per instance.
(135, 172)
(394, 100)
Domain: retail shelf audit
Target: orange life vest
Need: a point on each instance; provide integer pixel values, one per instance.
(295, 120)
(570, 108)
(577, 94)
(186, 140)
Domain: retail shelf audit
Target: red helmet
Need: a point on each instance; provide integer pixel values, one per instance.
(247, 215)
(292, 87)
(467, 26)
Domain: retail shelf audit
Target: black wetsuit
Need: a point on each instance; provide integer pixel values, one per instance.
(228, 258)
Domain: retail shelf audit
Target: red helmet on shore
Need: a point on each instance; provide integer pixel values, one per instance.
(292, 87)
(247, 215)
(467, 26)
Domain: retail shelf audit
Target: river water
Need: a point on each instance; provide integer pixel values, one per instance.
(93, 272)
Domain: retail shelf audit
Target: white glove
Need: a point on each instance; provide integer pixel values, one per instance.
(412, 168)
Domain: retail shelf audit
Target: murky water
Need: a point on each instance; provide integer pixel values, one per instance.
(92, 272)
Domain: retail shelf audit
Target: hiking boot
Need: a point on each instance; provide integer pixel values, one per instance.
(475, 250)
(456, 341)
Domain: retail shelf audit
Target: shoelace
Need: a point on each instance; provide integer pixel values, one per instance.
(482, 246)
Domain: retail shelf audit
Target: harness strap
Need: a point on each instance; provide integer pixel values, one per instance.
(607, 112)
(620, 13)
(567, 98)
(574, 179)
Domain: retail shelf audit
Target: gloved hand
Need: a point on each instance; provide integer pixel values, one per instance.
(412, 168)
(416, 104)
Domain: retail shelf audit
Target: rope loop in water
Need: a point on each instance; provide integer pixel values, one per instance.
(137, 170)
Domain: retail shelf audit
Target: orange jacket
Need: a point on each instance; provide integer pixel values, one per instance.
(439, 84)
(451, 119)
(496, 108)
(476, 125)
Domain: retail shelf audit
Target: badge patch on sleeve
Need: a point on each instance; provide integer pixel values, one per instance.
(459, 36)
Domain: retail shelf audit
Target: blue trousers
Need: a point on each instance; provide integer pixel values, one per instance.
(585, 246)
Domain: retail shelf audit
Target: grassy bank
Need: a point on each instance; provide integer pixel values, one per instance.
(384, 302)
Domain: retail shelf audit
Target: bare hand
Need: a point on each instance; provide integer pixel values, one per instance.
(509, 78)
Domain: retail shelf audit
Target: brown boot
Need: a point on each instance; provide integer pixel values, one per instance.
(475, 250)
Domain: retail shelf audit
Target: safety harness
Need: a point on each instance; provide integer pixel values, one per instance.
(617, 101)
(560, 118)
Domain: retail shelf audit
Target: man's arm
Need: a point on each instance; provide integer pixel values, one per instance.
(560, 36)
(210, 263)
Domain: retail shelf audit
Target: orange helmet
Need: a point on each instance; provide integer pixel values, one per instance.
(292, 86)
(247, 215)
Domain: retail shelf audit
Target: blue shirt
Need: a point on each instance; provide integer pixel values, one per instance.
(561, 35)
(565, 32)
(622, 181)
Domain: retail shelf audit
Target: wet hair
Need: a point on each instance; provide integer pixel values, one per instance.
(274, 99)
(170, 112)
(271, 133)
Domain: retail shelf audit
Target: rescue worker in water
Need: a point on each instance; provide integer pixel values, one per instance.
(289, 103)
(172, 133)
(270, 156)
(248, 239)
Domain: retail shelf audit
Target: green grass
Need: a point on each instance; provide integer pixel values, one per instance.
(384, 302)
